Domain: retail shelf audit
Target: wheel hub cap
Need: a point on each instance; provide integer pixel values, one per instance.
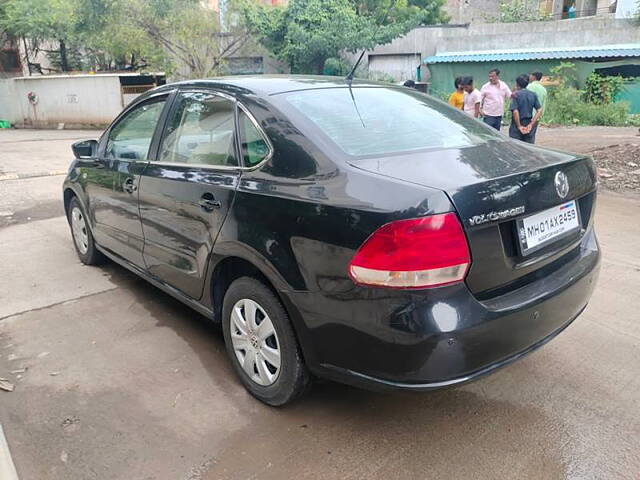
(79, 230)
(255, 342)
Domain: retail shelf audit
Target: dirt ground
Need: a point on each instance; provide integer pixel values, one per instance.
(619, 167)
(116, 380)
(616, 151)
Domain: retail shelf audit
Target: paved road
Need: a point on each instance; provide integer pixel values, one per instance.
(123, 382)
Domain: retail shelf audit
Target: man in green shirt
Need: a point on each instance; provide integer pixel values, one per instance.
(536, 87)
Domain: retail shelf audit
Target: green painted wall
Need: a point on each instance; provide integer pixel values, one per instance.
(631, 94)
(443, 74)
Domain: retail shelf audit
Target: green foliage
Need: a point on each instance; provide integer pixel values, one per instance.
(181, 36)
(380, 77)
(633, 120)
(566, 106)
(520, 11)
(306, 33)
(424, 12)
(601, 89)
(337, 67)
(41, 20)
(566, 74)
(595, 105)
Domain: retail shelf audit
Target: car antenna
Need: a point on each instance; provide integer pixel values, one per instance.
(349, 77)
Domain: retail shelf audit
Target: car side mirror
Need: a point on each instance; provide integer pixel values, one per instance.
(85, 149)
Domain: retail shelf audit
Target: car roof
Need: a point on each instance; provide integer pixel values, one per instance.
(275, 84)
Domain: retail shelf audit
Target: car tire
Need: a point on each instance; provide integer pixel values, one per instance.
(292, 379)
(81, 234)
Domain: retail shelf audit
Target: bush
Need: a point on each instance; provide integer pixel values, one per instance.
(601, 89)
(337, 67)
(567, 107)
(595, 105)
(521, 11)
(633, 120)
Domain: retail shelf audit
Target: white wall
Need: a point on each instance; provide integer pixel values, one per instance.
(76, 101)
(8, 106)
(400, 66)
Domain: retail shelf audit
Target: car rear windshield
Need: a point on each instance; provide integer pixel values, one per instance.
(370, 121)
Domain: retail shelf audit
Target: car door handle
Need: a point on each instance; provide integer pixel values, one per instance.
(208, 202)
(129, 185)
(95, 163)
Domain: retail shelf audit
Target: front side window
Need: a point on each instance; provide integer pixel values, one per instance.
(253, 145)
(200, 131)
(131, 137)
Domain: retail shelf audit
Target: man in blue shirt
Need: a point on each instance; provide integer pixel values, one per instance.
(523, 103)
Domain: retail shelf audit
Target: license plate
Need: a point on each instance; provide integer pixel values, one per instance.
(538, 230)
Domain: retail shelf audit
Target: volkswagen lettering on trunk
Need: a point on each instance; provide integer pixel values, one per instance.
(495, 216)
(353, 231)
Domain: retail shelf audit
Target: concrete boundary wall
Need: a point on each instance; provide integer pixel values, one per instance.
(9, 109)
(82, 101)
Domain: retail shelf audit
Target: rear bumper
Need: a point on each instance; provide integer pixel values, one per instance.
(384, 339)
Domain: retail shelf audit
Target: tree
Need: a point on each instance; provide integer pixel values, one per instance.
(189, 34)
(511, 11)
(42, 20)
(423, 12)
(180, 36)
(306, 33)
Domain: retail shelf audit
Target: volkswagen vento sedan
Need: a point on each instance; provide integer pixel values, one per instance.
(370, 235)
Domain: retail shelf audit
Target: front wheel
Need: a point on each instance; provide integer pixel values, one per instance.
(261, 343)
(82, 236)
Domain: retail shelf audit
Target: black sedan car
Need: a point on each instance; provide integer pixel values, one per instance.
(363, 233)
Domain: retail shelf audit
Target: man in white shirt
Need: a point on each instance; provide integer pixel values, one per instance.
(472, 98)
(494, 93)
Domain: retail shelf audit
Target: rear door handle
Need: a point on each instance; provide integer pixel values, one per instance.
(208, 202)
(129, 185)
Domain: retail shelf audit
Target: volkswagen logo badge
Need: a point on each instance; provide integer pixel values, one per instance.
(562, 184)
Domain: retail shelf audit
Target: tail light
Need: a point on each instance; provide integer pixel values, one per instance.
(417, 253)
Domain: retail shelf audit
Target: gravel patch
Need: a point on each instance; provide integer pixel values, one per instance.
(619, 167)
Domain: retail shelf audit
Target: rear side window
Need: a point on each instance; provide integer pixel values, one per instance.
(201, 131)
(378, 121)
(131, 137)
(252, 143)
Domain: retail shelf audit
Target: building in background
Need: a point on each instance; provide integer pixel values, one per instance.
(488, 11)
(622, 60)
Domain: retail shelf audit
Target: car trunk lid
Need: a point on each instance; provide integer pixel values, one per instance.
(492, 186)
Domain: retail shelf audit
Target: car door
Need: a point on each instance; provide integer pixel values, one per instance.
(125, 154)
(187, 190)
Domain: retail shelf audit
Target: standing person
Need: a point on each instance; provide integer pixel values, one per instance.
(456, 99)
(536, 87)
(472, 97)
(523, 103)
(494, 93)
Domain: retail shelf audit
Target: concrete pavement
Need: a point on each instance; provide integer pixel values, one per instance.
(123, 382)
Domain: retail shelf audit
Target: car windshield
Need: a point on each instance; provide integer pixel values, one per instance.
(378, 121)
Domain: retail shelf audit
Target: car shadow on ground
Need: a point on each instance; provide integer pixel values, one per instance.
(335, 423)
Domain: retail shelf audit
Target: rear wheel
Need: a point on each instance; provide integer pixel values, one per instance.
(81, 233)
(261, 343)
